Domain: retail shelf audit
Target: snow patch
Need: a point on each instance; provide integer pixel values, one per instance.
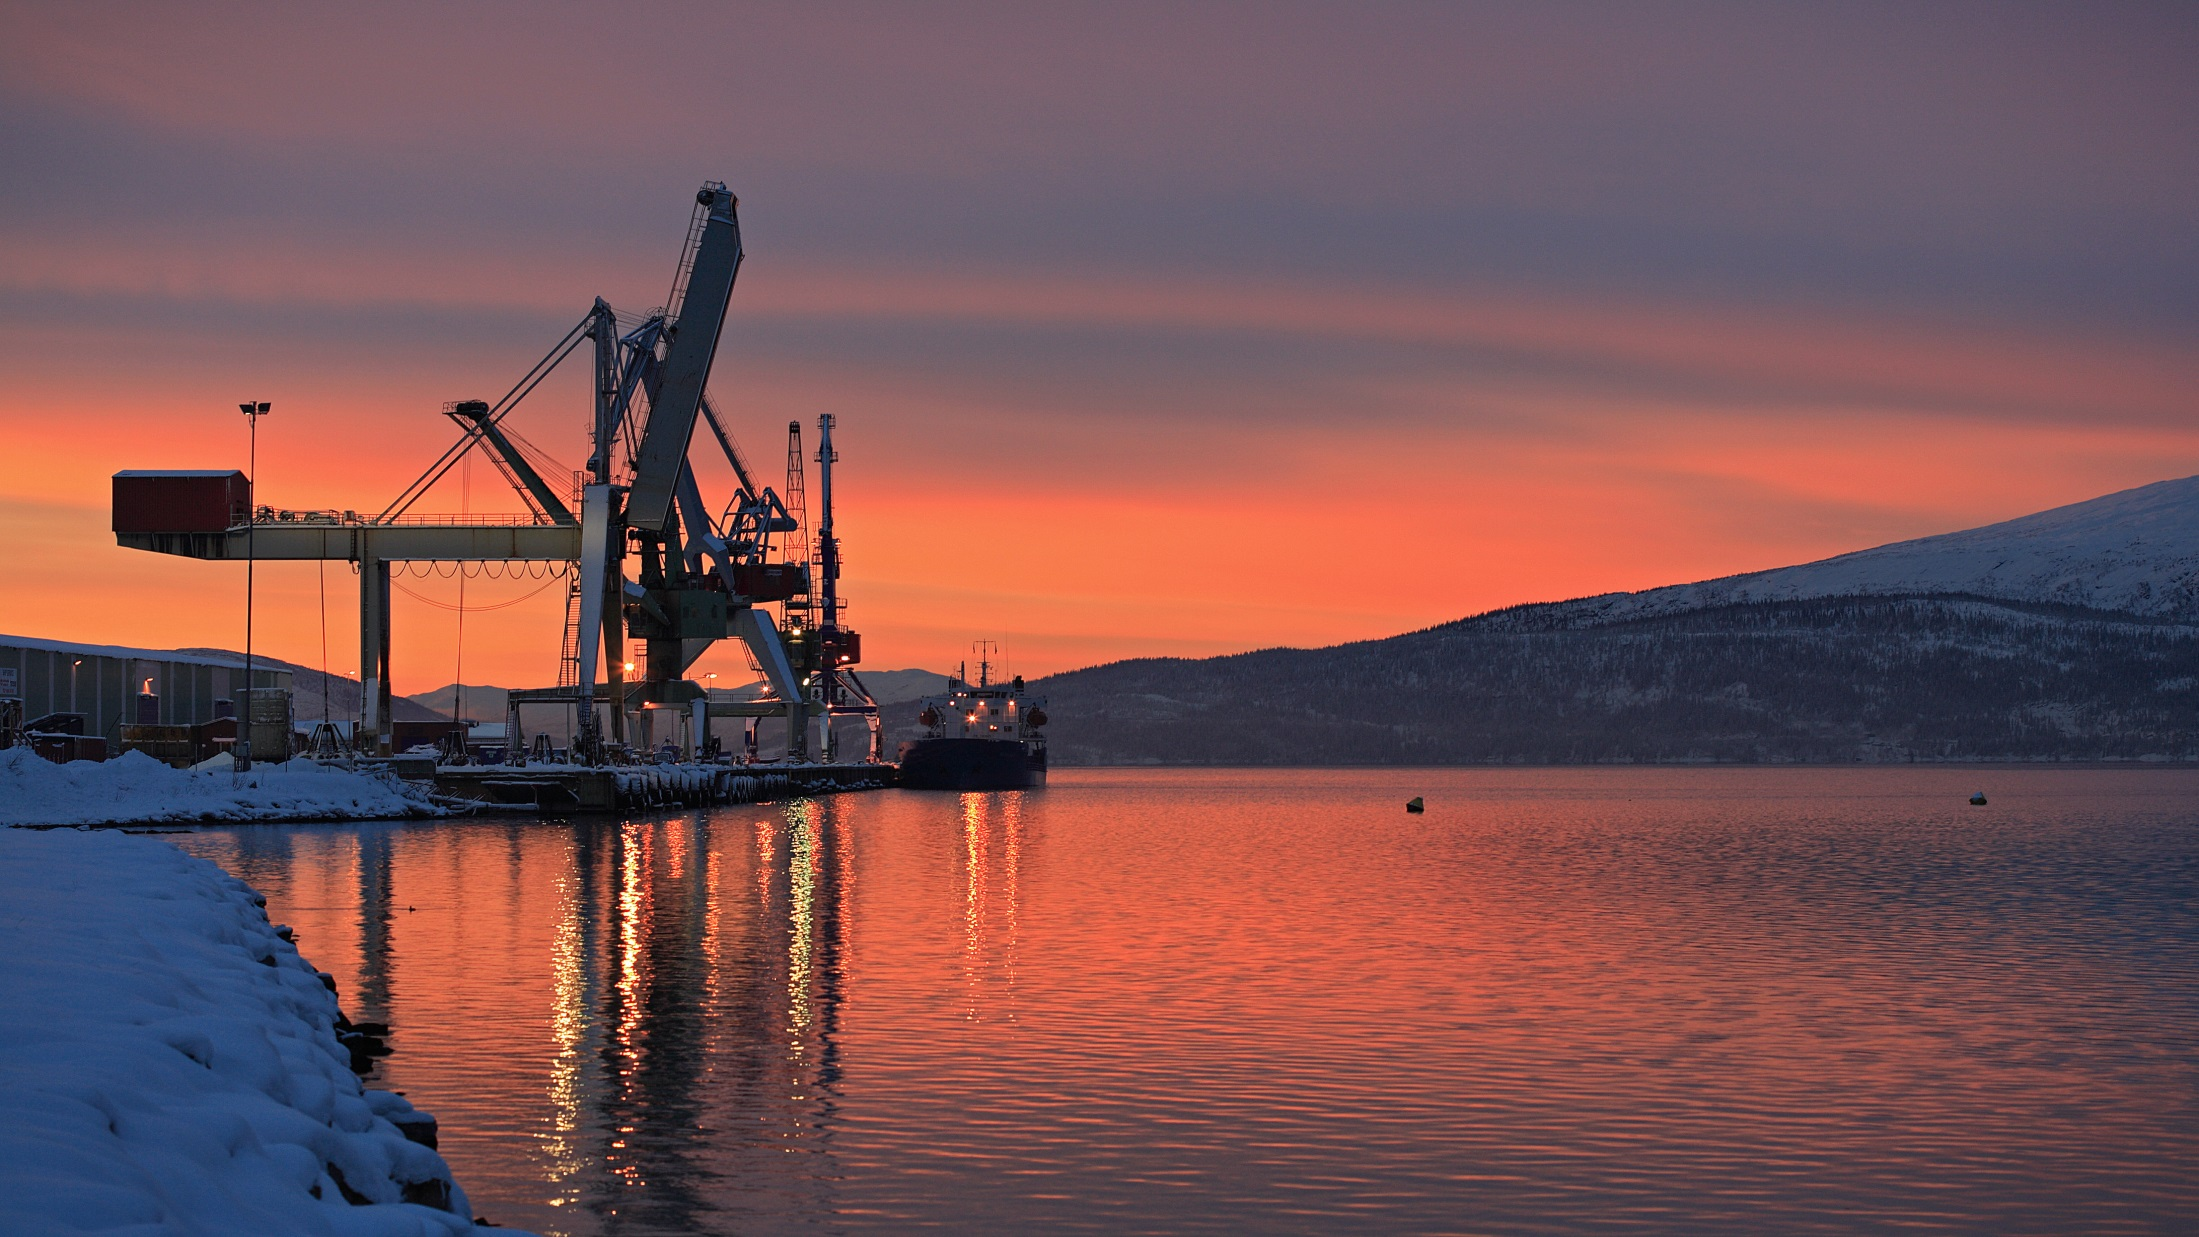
(2136, 552)
(136, 789)
(168, 1062)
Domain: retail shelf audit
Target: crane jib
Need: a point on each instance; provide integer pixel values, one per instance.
(686, 368)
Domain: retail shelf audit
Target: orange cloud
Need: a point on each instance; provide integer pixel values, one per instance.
(1049, 513)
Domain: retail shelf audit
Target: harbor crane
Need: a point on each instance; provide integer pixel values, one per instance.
(646, 557)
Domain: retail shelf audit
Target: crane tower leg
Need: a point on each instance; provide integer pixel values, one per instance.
(374, 652)
(614, 652)
(594, 568)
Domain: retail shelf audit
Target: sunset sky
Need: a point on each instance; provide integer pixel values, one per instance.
(1151, 329)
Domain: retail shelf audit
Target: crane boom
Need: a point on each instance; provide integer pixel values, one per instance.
(725, 443)
(687, 361)
(698, 580)
(474, 414)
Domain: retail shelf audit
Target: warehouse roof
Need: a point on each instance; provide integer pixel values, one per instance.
(234, 661)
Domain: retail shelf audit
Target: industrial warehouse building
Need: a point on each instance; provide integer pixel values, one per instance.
(113, 687)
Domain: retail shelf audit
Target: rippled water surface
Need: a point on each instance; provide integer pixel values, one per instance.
(1715, 1001)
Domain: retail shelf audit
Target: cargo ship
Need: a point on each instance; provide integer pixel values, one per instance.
(979, 736)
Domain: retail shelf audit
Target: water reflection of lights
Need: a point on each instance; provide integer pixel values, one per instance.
(980, 933)
(713, 916)
(1011, 859)
(804, 819)
(633, 897)
(767, 849)
(973, 898)
(568, 1026)
(676, 998)
(628, 1037)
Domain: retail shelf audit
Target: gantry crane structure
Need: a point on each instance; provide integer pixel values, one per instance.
(697, 579)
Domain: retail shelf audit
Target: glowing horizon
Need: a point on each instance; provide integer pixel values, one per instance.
(1341, 331)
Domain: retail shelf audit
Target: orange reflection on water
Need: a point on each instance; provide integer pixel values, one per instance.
(990, 902)
(973, 897)
(766, 845)
(569, 1016)
(803, 822)
(629, 1047)
(1731, 1001)
(1011, 862)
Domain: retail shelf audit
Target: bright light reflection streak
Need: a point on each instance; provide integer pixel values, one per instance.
(973, 924)
(802, 868)
(676, 850)
(843, 899)
(1011, 862)
(632, 911)
(568, 1025)
(713, 928)
(632, 893)
(766, 849)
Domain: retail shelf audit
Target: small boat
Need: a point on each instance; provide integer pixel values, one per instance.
(979, 736)
(1978, 799)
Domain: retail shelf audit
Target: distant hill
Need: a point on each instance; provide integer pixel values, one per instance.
(484, 703)
(2135, 552)
(897, 686)
(886, 686)
(2072, 634)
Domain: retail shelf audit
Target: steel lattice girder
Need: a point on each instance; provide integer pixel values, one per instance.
(391, 543)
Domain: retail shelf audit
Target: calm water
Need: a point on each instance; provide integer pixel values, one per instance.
(1677, 1001)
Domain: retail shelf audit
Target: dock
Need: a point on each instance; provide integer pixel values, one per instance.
(623, 788)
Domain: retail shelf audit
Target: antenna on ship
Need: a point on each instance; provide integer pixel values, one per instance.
(984, 650)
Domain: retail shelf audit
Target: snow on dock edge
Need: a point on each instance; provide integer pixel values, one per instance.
(135, 789)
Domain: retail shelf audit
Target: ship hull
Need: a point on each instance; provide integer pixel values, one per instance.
(971, 764)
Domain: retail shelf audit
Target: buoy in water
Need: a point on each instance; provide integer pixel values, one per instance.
(1978, 799)
(1415, 805)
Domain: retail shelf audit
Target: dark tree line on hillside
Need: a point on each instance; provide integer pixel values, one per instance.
(1826, 680)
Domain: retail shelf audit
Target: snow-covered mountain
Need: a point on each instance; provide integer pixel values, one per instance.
(2072, 634)
(2135, 552)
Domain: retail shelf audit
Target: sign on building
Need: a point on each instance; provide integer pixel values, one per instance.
(7, 683)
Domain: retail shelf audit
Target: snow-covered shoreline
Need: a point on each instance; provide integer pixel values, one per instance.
(135, 789)
(169, 1063)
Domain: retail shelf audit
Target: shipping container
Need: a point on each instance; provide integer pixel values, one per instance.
(175, 745)
(183, 746)
(199, 501)
(769, 581)
(404, 736)
(63, 748)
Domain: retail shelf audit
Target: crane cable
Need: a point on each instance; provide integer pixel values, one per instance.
(477, 609)
(458, 672)
(486, 568)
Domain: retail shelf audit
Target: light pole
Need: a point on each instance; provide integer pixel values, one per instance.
(252, 414)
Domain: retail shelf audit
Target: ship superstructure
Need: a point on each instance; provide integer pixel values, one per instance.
(978, 736)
